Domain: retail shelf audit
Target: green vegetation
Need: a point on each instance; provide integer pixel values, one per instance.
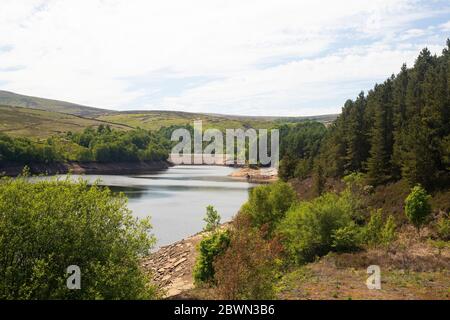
(19, 100)
(212, 219)
(417, 207)
(314, 228)
(23, 150)
(106, 145)
(443, 227)
(41, 124)
(377, 232)
(300, 144)
(400, 129)
(46, 226)
(209, 249)
(102, 144)
(268, 204)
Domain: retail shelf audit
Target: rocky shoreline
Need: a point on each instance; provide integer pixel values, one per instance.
(260, 175)
(171, 266)
(14, 169)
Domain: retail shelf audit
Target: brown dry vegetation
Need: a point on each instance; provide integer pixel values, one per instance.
(411, 268)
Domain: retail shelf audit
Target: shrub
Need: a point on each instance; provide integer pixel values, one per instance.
(388, 233)
(309, 229)
(302, 169)
(249, 267)
(377, 232)
(209, 249)
(372, 231)
(443, 227)
(46, 226)
(347, 239)
(268, 204)
(212, 219)
(417, 207)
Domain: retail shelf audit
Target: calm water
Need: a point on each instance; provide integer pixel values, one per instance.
(176, 198)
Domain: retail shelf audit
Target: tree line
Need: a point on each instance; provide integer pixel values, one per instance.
(399, 129)
(101, 144)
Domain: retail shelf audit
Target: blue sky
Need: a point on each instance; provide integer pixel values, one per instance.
(252, 57)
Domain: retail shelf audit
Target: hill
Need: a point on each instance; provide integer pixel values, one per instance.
(18, 121)
(13, 99)
(153, 120)
(31, 116)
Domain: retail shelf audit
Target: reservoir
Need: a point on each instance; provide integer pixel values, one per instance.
(176, 198)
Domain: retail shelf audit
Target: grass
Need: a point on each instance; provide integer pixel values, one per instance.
(34, 123)
(325, 280)
(19, 100)
(153, 120)
(22, 115)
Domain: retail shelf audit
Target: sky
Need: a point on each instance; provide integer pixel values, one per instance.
(248, 57)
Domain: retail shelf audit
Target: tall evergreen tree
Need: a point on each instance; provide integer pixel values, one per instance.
(381, 140)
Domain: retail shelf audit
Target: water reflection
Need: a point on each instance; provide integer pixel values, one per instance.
(176, 198)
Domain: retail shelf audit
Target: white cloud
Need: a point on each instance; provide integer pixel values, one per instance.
(266, 57)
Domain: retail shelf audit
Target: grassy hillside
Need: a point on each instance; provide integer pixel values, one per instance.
(155, 119)
(17, 121)
(13, 99)
(38, 117)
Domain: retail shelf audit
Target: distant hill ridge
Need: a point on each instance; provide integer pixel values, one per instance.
(18, 100)
(22, 115)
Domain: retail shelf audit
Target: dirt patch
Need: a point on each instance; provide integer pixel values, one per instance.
(14, 169)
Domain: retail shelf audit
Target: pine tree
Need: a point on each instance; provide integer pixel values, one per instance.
(381, 140)
(355, 134)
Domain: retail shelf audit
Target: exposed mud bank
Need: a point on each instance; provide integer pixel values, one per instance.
(14, 169)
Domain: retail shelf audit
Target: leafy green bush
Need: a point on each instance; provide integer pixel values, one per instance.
(377, 232)
(310, 228)
(268, 204)
(417, 207)
(347, 239)
(209, 249)
(46, 226)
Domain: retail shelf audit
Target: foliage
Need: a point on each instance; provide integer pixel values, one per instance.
(209, 249)
(46, 226)
(268, 204)
(346, 239)
(212, 219)
(388, 233)
(103, 144)
(399, 129)
(319, 180)
(300, 143)
(107, 145)
(309, 229)
(24, 150)
(255, 263)
(417, 206)
(443, 227)
(378, 232)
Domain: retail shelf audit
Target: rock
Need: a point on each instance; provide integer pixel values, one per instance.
(179, 261)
